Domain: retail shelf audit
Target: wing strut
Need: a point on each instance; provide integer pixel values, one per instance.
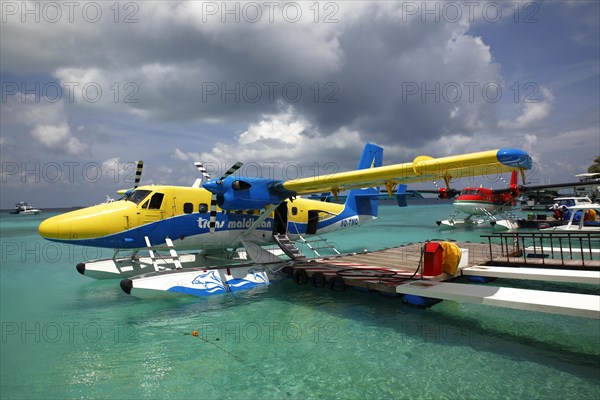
(259, 220)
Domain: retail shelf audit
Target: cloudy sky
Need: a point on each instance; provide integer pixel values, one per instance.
(290, 88)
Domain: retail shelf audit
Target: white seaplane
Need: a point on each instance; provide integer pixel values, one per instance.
(233, 211)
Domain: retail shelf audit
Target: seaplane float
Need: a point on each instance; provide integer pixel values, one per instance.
(212, 233)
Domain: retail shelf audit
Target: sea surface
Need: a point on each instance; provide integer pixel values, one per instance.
(68, 336)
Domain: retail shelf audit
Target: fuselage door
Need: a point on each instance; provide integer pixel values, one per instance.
(313, 222)
(281, 219)
(152, 208)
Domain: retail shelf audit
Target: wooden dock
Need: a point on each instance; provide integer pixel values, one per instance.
(398, 271)
(382, 270)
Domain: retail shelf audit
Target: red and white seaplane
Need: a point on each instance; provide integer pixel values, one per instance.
(482, 205)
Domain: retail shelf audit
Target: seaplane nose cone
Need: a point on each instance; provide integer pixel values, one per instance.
(50, 228)
(213, 187)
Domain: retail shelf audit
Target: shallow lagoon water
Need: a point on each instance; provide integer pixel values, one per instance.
(68, 336)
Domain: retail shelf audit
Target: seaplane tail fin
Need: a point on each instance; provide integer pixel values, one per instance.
(514, 180)
(366, 201)
(372, 156)
(514, 184)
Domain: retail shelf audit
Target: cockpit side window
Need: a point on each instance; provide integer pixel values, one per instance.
(137, 196)
(156, 201)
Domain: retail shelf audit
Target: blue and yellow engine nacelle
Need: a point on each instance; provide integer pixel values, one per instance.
(234, 193)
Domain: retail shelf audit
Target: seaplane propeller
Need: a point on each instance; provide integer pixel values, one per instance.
(234, 193)
(444, 193)
(212, 222)
(230, 171)
(202, 170)
(223, 187)
(138, 173)
(138, 176)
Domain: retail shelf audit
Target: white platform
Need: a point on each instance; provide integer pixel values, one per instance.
(581, 305)
(556, 250)
(536, 274)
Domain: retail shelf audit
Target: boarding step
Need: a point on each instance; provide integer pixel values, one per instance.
(288, 247)
(318, 244)
(173, 257)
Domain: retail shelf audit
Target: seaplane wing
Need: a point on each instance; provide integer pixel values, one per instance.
(252, 193)
(526, 188)
(423, 168)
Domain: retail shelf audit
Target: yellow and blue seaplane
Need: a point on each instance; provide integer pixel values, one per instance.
(214, 218)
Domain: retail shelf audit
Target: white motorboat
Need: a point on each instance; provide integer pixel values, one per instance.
(583, 218)
(571, 201)
(23, 208)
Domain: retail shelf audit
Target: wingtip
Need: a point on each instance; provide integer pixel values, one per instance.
(516, 158)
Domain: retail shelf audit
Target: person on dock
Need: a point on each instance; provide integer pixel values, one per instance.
(558, 212)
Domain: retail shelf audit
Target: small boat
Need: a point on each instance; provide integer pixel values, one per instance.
(571, 201)
(543, 221)
(583, 218)
(24, 208)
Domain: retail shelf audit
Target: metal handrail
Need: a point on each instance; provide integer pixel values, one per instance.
(581, 242)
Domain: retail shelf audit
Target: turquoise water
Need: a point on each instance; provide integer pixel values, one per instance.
(68, 336)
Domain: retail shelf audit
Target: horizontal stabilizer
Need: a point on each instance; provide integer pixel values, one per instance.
(401, 196)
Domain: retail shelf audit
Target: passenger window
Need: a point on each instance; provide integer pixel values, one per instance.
(294, 210)
(188, 208)
(156, 201)
(145, 205)
(203, 208)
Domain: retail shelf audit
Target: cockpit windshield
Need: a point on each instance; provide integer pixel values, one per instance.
(137, 196)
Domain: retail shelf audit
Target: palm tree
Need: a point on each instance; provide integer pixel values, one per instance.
(595, 167)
